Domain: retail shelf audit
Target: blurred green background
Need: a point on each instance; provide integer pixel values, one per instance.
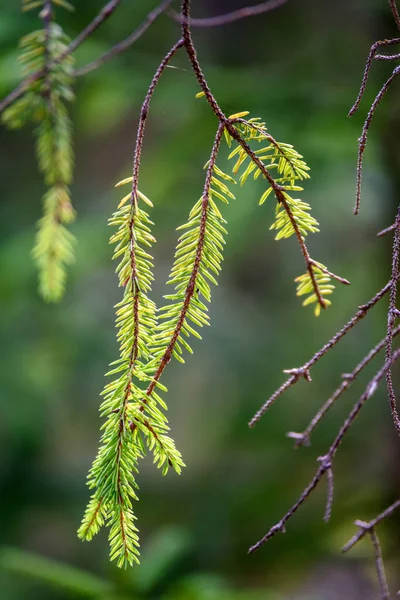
(299, 68)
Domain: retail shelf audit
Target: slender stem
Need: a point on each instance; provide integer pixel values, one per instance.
(380, 567)
(191, 286)
(395, 12)
(236, 15)
(99, 19)
(365, 528)
(304, 371)
(362, 142)
(127, 42)
(303, 439)
(368, 64)
(326, 463)
(393, 314)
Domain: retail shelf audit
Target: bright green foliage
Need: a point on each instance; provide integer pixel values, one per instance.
(305, 286)
(294, 217)
(43, 105)
(134, 420)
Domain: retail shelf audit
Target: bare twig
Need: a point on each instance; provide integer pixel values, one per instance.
(326, 463)
(303, 439)
(304, 371)
(372, 52)
(127, 42)
(395, 12)
(236, 15)
(393, 314)
(380, 567)
(99, 19)
(387, 230)
(362, 142)
(363, 530)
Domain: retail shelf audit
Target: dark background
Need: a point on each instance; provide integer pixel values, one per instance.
(299, 68)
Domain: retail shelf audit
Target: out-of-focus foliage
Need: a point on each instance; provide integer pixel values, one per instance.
(299, 67)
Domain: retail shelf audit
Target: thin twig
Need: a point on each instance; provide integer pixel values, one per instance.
(395, 12)
(362, 142)
(236, 15)
(191, 286)
(364, 529)
(326, 464)
(303, 439)
(99, 19)
(388, 57)
(380, 567)
(387, 230)
(127, 42)
(368, 64)
(393, 314)
(304, 371)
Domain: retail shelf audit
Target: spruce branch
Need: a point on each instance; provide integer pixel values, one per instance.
(304, 371)
(303, 438)
(326, 461)
(231, 17)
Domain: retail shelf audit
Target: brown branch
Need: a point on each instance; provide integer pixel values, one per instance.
(104, 14)
(368, 64)
(365, 528)
(393, 314)
(380, 568)
(127, 42)
(191, 286)
(395, 12)
(362, 142)
(304, 371)
(326, 463)
(387, 230)
(280, 196)
(388, 57)
(236, 15)
(303, 439)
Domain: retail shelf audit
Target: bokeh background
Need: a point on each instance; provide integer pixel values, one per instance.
(299, 68)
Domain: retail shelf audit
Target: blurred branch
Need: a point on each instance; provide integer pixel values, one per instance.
(304, 371)
(104, 14)
(127, 42)
(326, 460)
(236, 15)
(303, 439)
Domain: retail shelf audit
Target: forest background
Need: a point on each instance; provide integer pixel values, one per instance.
(299, 68)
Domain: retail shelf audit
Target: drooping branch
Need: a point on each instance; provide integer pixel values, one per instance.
(393, 315)
(366, 527)
(303, 439)
(395, 12)
(326, 461)
(127, 42)
(304, 371)
(231, 17)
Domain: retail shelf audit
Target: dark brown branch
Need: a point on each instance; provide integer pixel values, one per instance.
(191, 286)
(393, 314)
(127, 42)
(362, 142)
(99, 19)
(372, 52)
(304, 371)
(236, 15)
(303, 439)
(395, 12)
(326, 463)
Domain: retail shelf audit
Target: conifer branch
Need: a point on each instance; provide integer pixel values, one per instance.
(304, 371)
(326, 462)
(393, 315)
(303, 439)
(231, 17)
